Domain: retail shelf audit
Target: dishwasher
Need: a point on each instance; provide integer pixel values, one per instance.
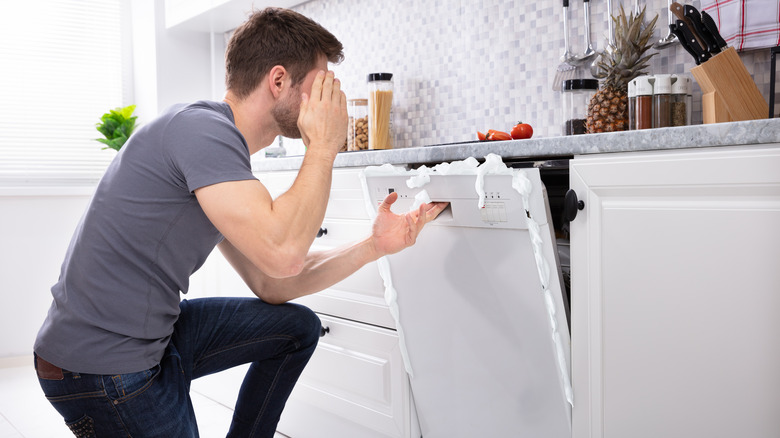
(479, 300)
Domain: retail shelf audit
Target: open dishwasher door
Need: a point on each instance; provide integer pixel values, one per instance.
(485, 339)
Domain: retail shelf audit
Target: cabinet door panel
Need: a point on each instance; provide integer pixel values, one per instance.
(277, 182)
(354, 385)
(674, 294)
(346, 195)
(360, 296)
(346, 191)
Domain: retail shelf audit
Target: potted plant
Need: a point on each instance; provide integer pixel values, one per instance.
(116, 125)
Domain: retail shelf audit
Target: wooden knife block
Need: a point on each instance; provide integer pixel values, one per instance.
(728, 92)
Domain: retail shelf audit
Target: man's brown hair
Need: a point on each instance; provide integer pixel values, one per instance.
(276, 36)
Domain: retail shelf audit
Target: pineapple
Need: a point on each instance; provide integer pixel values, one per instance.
(608, 108)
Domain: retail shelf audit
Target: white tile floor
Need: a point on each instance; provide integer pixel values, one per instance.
(25, 413)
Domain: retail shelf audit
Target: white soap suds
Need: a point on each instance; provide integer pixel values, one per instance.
(523, 186)
(420, 198)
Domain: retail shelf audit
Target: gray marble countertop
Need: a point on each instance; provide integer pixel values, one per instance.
(698, 136)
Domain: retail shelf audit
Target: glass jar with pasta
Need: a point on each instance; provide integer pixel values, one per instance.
(380, 111)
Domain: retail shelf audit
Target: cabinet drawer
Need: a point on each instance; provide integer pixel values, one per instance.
(354, 385)
(346, 191)
(346, 195)
(360, 296)
(339, 231)
(277, 182)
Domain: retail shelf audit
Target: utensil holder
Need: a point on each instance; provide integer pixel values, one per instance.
(728, 92)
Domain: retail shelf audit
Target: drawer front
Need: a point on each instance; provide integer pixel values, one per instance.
(346, 195)
(359, 297)
(346, 191)
(354, 385)
(277, 182)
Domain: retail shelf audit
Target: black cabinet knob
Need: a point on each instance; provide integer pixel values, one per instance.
(571, 205)
(322, 232)
(324, 330)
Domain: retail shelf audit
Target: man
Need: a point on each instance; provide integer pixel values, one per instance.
(118, 349)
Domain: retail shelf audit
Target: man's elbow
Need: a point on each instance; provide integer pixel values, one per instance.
(291, 269)
(270, 297)
(285, 263)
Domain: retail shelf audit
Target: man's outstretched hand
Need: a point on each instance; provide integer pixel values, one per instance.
(394, 232)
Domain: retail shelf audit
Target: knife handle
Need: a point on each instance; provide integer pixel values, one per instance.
(679, 11)
(684, 42)
(695, 20)
(699, 53)
(709, 23)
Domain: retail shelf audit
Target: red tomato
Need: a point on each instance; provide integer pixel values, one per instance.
(522, 130)
(497, 135)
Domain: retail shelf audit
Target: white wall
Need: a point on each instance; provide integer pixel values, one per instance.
(37, 224)
(170, 65)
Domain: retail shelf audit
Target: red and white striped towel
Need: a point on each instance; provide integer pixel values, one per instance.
(746, 24)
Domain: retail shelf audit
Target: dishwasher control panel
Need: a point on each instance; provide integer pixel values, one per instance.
(493, 211)
(503, 205)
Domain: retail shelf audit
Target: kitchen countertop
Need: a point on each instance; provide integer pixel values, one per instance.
(697, 136)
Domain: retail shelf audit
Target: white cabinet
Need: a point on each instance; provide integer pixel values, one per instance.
(359, 297)
(675, 294)
(355, 384)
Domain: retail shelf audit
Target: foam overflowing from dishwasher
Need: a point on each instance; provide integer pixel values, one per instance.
(391, 296)
(422, 197)
(493, 165)
(523, 186)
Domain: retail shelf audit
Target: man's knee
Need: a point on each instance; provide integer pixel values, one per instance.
(309, 324)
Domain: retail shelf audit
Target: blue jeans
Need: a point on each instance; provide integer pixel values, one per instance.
(211, 335)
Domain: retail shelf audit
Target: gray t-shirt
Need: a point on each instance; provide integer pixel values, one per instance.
(142, 236)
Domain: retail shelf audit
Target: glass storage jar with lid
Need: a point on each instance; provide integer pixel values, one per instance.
(643, 85)
(662, 101)
(357, 128)
(576, 95)
(681, 100)
(380, 111)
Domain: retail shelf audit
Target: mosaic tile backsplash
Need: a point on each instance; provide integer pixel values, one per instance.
(461, 66)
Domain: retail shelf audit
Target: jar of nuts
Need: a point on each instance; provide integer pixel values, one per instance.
(357, 129)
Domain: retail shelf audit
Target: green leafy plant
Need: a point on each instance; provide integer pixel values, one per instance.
(116, 125)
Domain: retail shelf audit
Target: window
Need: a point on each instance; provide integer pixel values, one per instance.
(61, 68)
